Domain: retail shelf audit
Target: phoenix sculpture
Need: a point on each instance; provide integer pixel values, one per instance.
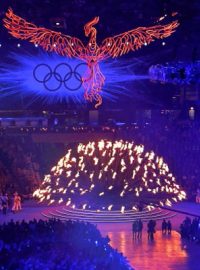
(65, 45)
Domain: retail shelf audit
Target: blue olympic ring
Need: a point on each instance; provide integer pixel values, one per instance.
(55, 74)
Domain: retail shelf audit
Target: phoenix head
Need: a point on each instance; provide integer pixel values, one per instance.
(88, 28)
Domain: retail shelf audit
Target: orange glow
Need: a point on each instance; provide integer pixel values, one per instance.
(92, 53)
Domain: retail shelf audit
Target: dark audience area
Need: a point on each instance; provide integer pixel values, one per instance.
(23, 163)
(56, 245)
(190, 229)
(179, 144)
(19, 165)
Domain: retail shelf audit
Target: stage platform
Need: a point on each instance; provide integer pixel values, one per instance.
(166, 252)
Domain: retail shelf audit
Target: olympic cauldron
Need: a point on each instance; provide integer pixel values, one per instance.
(106, 175)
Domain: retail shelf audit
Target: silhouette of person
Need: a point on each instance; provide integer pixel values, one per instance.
(164, 227)
(169, 227)
(140, 227)
(151, 229)
(134, 228)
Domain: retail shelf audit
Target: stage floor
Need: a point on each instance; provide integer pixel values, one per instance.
(165, 253)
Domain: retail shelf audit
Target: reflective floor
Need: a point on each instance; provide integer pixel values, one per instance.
(164, 253)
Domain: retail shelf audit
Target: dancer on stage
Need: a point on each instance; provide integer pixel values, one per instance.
(17, 203)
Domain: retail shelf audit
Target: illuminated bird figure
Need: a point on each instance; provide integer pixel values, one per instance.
(65, 45)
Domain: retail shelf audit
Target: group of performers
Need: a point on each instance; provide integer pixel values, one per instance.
(198, 195)
(16, 205)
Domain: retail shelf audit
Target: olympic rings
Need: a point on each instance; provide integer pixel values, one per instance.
(44, 74)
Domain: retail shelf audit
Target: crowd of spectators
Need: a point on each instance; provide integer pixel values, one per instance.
(179, 144)
(190, 229)
(56, 245)
(19, 168)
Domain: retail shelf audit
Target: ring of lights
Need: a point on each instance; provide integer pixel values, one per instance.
(62, 80)
(110, 176)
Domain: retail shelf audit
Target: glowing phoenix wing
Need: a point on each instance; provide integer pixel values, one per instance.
(134, 39)
(49, 40)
